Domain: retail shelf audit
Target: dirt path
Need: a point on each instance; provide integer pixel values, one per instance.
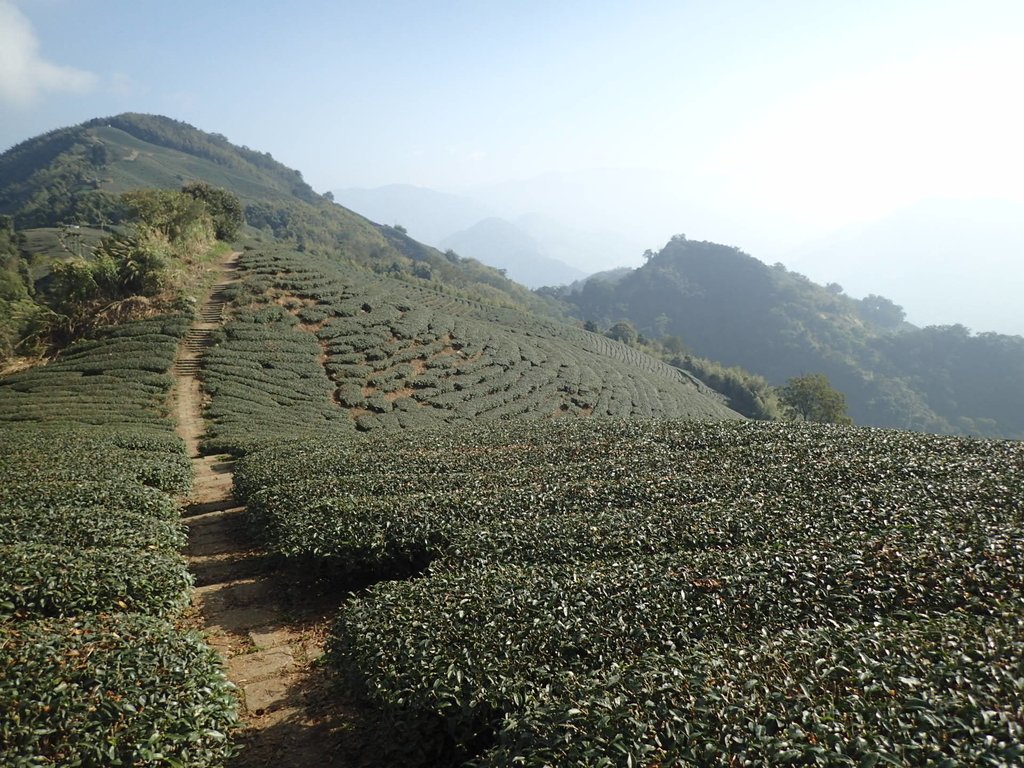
(268, 628)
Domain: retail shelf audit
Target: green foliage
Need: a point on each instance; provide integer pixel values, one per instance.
(623, 331)
(745, 392)
(776, 324)
(175, 215)
(887, 692)
(137, 266)
(48, 579)
(347, 350)
(882, 312)
(55, 179)
(90, 570)
(264, 379)
(650, 586)
(79, 525)
(812, 398)
(167, 230)
(111, 690)
(973, 378)
(119, 377)
(224, 207)
(180, 136)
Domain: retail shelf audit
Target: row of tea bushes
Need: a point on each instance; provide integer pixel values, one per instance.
(600, 592)
(576, 490)
(118, 378)
(396, 355)
(941, 691)
(111, 689)
(469, 643)
(264, 379)
(93, 669)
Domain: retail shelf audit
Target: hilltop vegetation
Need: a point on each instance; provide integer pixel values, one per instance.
(727, 306)
(77, 175)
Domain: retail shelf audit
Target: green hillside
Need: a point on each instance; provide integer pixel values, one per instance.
(318, 345)
(730, 307)
(69, 173)
(545, 547)
(74, 176)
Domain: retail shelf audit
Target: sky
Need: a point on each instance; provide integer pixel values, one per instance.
(762, 124)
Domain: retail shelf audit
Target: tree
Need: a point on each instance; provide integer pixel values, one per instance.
(673, 345)
(175, 215)
(882, 312)
(812, 398)
(623, 331)
(224, 208)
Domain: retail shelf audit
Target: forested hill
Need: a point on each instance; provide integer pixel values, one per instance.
(727, 305)
(75, 176)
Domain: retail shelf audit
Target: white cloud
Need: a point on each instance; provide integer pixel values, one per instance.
(24, 74)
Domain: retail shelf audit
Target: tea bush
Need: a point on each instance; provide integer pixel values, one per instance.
(320, 345)
(91, 673)
(111, 690)
(668, 592)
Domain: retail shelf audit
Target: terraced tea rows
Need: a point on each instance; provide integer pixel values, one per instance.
(327, 346)
(589, 591)
(92, 669)
(671, 592)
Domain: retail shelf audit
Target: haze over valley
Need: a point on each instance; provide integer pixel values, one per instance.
(797, 132)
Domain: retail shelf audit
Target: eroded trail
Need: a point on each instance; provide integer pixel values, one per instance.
(268, 628)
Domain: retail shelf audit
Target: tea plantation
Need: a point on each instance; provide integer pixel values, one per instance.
(609, 592)
(577, 556)
(319, 344)
(93, 669)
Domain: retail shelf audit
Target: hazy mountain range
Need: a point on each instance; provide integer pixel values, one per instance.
(718, 301)
(534, 249)
(944, 261)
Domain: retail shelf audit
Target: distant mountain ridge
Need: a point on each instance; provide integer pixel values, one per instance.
(728, 306)
(506, 246)
(428, 214)
(722, 303)
(535, 249)
(943, 259)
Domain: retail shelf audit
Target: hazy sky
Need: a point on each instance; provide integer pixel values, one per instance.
(762, 124)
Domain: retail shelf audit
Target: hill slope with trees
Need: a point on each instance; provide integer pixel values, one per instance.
(726, 305)
(76, 176)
